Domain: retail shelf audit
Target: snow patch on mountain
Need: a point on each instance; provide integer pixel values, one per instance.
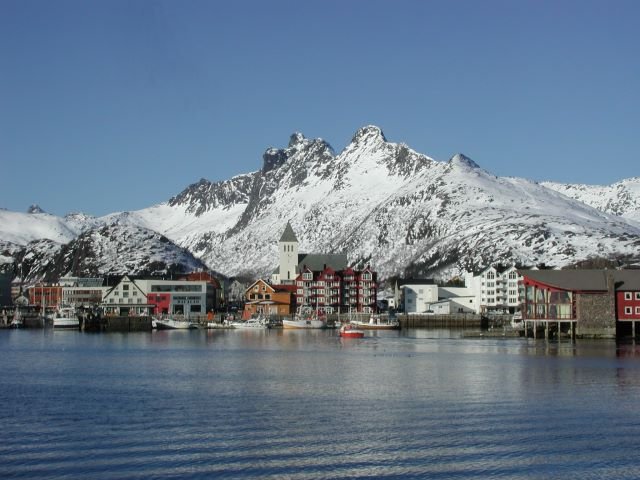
(22, 228)
(621, 198)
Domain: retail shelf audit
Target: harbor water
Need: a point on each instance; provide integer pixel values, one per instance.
(309, 405)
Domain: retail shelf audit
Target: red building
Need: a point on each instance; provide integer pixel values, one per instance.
(589, 303)
(628, 305)
(331, 291)
(49, 296)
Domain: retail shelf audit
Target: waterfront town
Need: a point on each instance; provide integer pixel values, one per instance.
(535, 301)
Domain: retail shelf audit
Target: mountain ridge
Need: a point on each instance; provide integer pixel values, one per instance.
(381, 203)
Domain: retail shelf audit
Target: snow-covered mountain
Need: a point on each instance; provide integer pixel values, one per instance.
(621, 198)
(99, 247)
(380, 202)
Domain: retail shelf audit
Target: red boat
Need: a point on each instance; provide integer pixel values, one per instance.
(349, 331)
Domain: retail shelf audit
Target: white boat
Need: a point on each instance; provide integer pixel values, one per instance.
(304, 319)
(16, 322)
(170, 323)
(66, 318)
(516, 321)
(251, 324)
(377, 322)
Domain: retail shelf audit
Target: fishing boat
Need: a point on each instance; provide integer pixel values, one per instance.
(66, 318)
(305, 318)
(377, 322)
(171, 323)
(350, 331)
(259, 323)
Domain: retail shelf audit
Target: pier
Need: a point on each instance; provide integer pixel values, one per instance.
(461, 320)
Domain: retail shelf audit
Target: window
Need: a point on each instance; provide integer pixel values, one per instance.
(627, 295)
(125, 287)
(627, 310)
(134, 293)
(637, 310)
(637, 295)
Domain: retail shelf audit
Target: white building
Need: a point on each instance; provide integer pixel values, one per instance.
(495, 290)
(81, 291)
(152, 296)
(287, 270)
(458, 299)
(419, 295)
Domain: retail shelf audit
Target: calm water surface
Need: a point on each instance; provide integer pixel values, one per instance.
(307, 405)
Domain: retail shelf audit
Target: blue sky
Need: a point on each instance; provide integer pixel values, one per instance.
(118, 105)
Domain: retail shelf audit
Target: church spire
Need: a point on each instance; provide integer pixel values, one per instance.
(288, 235)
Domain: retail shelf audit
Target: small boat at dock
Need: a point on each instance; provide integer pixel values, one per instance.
(171, 323)
(66, 319)
(251, 324)
(377, 322)
(305, 318)
(16, 322)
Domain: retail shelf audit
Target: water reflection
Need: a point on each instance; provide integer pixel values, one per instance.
(308, 404)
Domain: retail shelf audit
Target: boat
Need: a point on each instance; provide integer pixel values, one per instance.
(171, 323)
(251, 324)
(377, 322)
(350, 331)
(66, 318)
(305, 318)
(517, 322)
(16, 322)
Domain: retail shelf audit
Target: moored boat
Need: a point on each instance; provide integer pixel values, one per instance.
(305, 318)
(251, 324)
(16, 322)
(350, 331)
(377, 322)
(66, 318)
(170, 323)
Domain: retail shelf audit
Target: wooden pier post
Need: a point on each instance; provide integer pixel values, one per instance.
(546, 330)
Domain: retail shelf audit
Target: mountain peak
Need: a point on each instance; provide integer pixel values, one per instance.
(35, 208)
(369, 133)
(463, 160)
(296, 138)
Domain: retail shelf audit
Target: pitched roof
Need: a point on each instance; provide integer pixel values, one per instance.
(318, 262)
(627, 280)
(288, 235)
(586, 280)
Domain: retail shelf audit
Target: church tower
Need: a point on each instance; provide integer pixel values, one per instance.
(288, 256)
